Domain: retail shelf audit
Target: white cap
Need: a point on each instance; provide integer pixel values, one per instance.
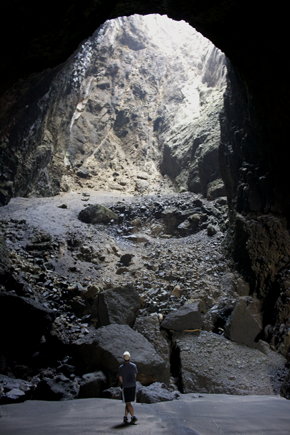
(126, 355)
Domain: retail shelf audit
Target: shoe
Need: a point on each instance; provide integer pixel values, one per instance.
(125, 420)
(133, 419)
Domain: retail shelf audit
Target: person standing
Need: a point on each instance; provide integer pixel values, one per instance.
(127, 378)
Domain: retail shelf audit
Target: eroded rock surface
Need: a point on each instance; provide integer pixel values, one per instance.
(211, 363)
(132, 110)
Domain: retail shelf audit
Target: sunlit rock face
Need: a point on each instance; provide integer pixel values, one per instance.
(135, 109)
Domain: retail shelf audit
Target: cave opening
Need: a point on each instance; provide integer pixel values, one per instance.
(119, 213)
(150, 93)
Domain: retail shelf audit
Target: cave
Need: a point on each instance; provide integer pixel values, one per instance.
(236, 197)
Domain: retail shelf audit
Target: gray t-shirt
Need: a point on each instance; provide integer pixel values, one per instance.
(128, 371)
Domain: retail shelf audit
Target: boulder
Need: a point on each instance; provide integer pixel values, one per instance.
(149, 326)
(14, 390)
(112, 393)
(97, 214)
(102, 349)
(245, 322)
(186, 317)
(154, 393)
(57, 388)
(209, 363)
(92, 384)
(118, 305)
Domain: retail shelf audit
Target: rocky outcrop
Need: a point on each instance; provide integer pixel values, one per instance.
(258, 237)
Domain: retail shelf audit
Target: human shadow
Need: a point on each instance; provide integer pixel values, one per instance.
(122, 426)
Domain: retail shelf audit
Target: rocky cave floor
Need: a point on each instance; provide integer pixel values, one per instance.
(169, 249)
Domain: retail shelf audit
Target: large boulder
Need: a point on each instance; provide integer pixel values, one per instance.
(149, 326)
(210, 363)
(246, 321)
(118, 305)
(186, 317)
(97, 214)
(102, 349)
(92, 384)
(156, 392)
(14, 390)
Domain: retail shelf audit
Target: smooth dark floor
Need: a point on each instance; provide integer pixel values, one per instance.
(192, 414)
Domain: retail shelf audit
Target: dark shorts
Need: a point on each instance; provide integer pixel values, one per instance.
(129, 394)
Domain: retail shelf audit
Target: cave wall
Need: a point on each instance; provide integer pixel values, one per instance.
(37, 37)
(132, 110)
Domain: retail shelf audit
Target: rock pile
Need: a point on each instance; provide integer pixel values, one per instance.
(82, 292)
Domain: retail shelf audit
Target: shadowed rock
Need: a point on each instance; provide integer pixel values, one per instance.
(103, 349)
(187, 317)
(119, 305)
(246, 321)
(154, 393)
(97, 214)
(25, 321)
(92, 384)
(14, 390)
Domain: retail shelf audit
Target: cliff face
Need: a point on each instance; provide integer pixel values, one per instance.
(132, 110)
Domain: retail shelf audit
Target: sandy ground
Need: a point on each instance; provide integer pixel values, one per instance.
(204, 414)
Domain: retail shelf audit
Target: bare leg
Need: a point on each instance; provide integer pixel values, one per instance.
(129, 409)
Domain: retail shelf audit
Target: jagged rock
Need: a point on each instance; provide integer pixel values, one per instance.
(92, 384)
(118, 305)
(218, 315)
(103, 349)
(97, 214)
(154, 393)
(149, 326)
(186, 317)
(58, 388)
(210, 363)
(14, 390)
(245, 322)
(215, 189)
(263, 246)
(112, 393)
